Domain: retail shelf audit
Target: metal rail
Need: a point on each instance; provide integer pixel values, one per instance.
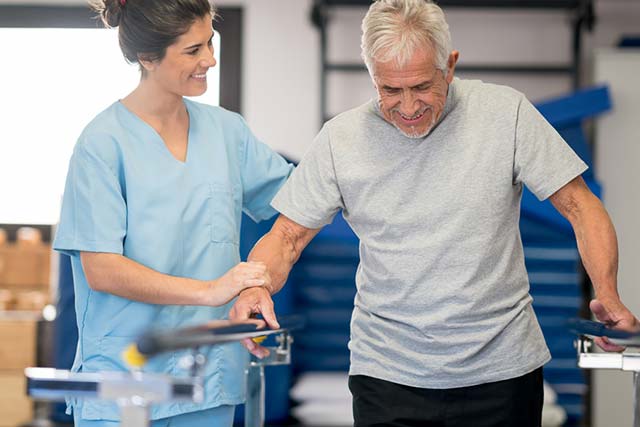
(618, 361)
(628, 361)
(135, 392)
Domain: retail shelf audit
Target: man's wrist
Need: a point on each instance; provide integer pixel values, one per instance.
(269, 288)
(609, 300)
(265, 287)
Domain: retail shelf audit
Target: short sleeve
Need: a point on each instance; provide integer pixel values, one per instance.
(543, 161)
(312, 197)
(263, 173)
(93, 216)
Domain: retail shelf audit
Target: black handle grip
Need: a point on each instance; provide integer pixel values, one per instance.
(597, 329)
(217, 332)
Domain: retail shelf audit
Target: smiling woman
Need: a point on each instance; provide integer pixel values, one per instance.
(85, 71)
(151, 212)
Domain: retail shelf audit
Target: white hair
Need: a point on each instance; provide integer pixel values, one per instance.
(395, 29)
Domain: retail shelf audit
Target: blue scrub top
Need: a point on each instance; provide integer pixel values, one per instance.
(125, 193)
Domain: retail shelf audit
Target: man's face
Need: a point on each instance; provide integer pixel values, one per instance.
(412, 97)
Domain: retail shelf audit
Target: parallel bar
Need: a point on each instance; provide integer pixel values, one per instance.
(600, 361)
(215, 332)
(54, 384)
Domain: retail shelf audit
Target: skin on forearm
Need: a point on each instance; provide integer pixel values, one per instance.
(595, 236)
(121, 276)
(280, 248)
(598, 247)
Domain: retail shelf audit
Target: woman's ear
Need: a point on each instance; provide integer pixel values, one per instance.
(146, 63)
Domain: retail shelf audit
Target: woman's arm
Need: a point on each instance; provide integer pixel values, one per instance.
(121, 276)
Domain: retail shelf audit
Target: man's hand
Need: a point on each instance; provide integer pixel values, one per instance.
(615, 315)
(250, 302)
(279, 249)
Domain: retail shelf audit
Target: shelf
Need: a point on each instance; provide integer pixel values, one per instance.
(583, 18)
(470, 68)
(511, 4)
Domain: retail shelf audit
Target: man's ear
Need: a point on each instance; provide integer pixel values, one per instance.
(451, 65)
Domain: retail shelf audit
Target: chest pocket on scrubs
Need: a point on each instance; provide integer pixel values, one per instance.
(224, 212)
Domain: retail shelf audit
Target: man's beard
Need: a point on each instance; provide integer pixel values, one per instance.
(414, 133)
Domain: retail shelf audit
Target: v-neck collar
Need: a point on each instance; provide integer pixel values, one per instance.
(136, 120)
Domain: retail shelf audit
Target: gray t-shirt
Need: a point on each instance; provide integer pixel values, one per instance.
(442, 291)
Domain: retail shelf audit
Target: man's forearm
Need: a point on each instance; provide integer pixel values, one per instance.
(598, 247)
(280, 248)
(595, 236)
(279, 254)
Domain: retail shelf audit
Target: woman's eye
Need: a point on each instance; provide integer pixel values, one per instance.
(193, 52)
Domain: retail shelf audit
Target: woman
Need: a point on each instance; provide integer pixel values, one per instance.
(152, 206)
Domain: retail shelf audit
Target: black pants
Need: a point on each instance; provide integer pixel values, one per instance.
(516, 402)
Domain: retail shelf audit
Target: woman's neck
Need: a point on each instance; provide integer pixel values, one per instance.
(149, 100)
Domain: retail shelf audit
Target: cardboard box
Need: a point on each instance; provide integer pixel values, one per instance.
(3, 262)
(25, 265)
(16, 408)
(30, 300)
(6, 299)
(18, 337)
(16, 300)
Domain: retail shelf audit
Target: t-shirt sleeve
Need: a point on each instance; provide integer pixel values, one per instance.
(94, 212)
(311, 197)
(263, 173)
(543, 161)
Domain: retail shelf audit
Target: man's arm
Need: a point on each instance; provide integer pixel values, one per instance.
(119, 275)
(598, 248)
(279, 249)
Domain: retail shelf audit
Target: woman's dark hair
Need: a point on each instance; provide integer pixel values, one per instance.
(147, 27)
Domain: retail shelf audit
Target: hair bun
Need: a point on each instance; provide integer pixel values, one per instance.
(109, 11)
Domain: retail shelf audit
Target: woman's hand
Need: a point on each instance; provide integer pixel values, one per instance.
(242, 276)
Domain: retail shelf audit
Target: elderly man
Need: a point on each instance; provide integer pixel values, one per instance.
(430, 176)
